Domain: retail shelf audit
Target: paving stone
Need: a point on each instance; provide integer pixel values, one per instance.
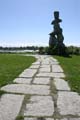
(41, 80)
(40, 106)
(68, 103)
(54, 63)
(56, 68)
(61, 84)
(23, 80)
(63, 119)
(49, 119)
(45, 66)
(55, 75)
(45, 62)
(74, 119)
(30, 118)
(38, 119)
(10, 106)
(27, 89)
(44, 69)
(53, 59)
(36, 63)
(34, 66)
(71, 119)
(28, 73)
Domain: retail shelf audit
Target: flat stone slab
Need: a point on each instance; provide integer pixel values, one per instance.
(34, 66)
(56, 68)
(74, 119)
(49, 119)
(38, 118)
(45, 63)
(54, 62)
(53, 59)
(68, 103)
(36, 63)
(61, 84)
(23, 80)
(55, 75)
(44, 69)
(28, 73)
(27, 89)
(40, 106)
(41, 80)
(45, 66)
(30, 118)
(10, 106)
(71, 119)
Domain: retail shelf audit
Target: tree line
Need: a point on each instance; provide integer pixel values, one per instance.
(72, 50)
(43, 50)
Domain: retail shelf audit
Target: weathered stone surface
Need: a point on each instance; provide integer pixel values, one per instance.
(41, 81)
(53, 59)
(40, 106)
(56, 68)
(36, 63)
(68, 103)
(49, 119)
(44, 69)
(10, 106)
(23, 80)
(34, 66)
(30, 118)
(27, 89)
(45, 66)
(74, 119)
(28, 73)
(71, 119)
(54, 63)
(38, 118)
(55, 75)
(61, 84)
(64, 119)
(45, 63)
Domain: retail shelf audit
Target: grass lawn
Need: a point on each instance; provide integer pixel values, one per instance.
(11, 65)
(71, 67)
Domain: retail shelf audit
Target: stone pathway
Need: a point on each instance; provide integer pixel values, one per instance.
(40, 93)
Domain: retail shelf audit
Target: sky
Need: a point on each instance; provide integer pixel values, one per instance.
(28, 22)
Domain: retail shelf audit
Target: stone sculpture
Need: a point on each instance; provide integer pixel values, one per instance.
(56, 37)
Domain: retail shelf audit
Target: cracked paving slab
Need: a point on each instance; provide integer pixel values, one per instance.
(28, 73)
(10, 106)
(27, 89)
(40, 106)
(68, 103)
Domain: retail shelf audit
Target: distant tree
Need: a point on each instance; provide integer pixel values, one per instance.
(41, 50)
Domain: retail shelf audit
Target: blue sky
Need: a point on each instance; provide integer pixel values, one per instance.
(28, 22)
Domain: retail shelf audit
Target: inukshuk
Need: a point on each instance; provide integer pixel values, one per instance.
(56, 37)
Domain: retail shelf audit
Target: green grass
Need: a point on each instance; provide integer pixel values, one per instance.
(11, 65)
(71, 67)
